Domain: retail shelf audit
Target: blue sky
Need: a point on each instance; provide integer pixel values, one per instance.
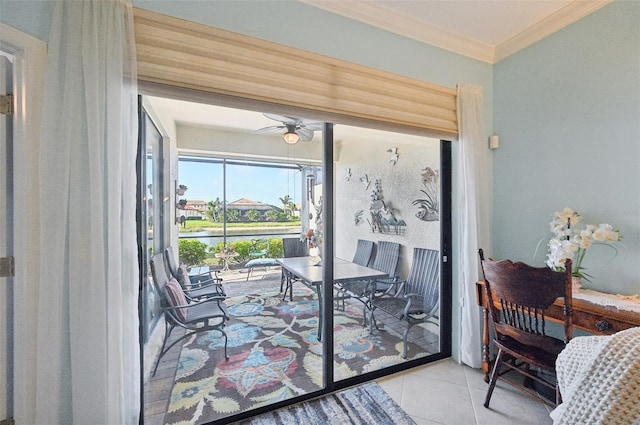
(262, 184)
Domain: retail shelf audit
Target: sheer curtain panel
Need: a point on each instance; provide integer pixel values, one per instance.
(474, 218)
(87, 354)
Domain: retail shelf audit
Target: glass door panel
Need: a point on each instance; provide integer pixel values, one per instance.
(242, 209)
(203, 211)
(152, 214)
(387, 203)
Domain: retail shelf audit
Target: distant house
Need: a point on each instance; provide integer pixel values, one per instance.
(296, 213)
(194, 210)
(244, 205)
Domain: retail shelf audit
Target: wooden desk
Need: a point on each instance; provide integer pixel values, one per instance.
(593, 318)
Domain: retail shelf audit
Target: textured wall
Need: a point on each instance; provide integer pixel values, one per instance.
(567, 113)
(401, 184)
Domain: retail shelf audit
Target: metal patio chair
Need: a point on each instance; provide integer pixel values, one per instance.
(195, 316)
(196, 286)
(386, 260)
(417, 299)
(291, 247)
(362, 256)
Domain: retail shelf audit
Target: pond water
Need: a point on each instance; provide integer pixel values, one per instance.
(212, 238)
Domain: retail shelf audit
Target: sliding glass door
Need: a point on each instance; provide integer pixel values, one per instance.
(389, 210)
(283, 219)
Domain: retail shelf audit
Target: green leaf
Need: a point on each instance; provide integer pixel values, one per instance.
(283, 393)
(225, 405)
(284, 341)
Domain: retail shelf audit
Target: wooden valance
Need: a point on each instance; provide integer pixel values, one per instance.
(193, 56)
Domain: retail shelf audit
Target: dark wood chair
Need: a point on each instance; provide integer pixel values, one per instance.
(518, 295)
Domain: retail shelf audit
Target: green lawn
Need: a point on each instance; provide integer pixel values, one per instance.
(200, 225)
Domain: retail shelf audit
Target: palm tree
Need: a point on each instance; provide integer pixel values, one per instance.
(214, 210)
(288, 206)
(272, 215)
(233, 215)
(253, 215)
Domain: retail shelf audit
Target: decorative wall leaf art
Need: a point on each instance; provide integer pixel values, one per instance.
(347, 175)
(429, 206)
(365, 181)
(394, 155)
(383, 219)
(358, 217)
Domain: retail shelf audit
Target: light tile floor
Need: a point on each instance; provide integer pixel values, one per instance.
(447, 393)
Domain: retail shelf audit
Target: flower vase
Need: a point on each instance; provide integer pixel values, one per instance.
(576, 283)
(316, 251)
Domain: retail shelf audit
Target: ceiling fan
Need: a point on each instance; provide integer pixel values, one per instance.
(296, 128)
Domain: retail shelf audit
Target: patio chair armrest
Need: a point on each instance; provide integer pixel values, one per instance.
(407, 308)
(401, 288)
(216, 298)
(391, 282)
(388, 280)
(196, 302)
(395, 287)
(203, 284)
(428, 309)
(211, 276)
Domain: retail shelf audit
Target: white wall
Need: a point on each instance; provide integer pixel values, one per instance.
(401, 184)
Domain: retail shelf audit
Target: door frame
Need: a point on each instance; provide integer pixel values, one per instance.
(28, 86)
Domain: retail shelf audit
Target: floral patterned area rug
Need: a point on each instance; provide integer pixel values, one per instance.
(274, 355)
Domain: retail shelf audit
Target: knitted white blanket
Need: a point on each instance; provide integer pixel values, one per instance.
(599, 379)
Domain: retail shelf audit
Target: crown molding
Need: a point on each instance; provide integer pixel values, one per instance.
(562, 18)
(389, 20)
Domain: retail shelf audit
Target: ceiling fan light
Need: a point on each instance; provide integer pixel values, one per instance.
(291, 137)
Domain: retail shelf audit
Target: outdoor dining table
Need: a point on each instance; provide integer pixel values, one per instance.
(310, 273)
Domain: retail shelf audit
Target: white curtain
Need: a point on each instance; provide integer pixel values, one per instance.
(87, 354)
(475, 197)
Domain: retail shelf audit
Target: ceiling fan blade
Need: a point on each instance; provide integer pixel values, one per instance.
(269, 129)
(305, 134)
(282, 118)
(312, 124)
